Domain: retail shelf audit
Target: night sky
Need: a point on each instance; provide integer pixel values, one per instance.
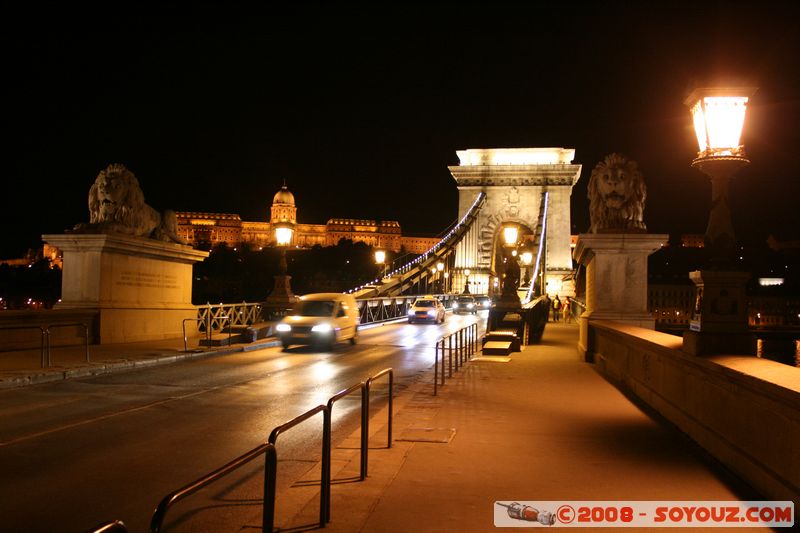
(360, 108)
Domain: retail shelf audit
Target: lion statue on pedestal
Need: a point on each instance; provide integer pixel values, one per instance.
(616, 196)
(116, 205)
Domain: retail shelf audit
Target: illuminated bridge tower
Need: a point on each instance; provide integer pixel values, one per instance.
(515, 180)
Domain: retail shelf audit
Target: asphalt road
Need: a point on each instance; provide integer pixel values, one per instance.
(78, 452)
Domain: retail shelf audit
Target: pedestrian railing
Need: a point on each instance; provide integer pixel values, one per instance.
(459, 347)
(218, 317)
(64, 325)
(113, 526)
(186, 339)
(44, 339)
(42, 352)
(269, 448)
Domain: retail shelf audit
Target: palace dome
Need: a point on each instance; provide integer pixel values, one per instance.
(283, 197)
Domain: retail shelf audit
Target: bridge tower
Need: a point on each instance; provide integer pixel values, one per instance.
(514, 180)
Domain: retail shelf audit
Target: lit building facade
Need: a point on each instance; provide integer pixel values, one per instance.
(211, 229)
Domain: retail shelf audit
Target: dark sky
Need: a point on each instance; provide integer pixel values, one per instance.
(361, 108)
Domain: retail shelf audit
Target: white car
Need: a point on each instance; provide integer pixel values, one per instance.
(321, 319)
(426, 309)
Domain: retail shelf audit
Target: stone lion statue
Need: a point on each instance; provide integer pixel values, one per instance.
(116, 205)
(616, 196)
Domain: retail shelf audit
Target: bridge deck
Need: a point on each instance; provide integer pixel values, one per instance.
(541, 427)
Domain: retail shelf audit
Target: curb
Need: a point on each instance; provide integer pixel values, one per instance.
(15, 379)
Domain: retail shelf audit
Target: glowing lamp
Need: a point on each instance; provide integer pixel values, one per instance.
(510, 234)
(718, 115)
(283, 233)
(527, 258)
(380, 256)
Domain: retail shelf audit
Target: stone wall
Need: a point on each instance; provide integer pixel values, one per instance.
(743, 410)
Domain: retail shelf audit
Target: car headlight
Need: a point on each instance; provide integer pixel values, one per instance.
(455, 305)
(410, 312)
(322, 328)
(283, 328)
(432, 312)
(470, 306)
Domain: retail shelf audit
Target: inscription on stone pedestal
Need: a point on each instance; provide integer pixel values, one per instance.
(148, 280)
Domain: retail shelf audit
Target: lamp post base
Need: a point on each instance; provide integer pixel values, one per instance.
(719, 322)
(281, 296)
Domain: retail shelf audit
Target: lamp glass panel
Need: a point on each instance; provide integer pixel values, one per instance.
(283, 235)
(510, 234)
(380, 256)
(718, 122)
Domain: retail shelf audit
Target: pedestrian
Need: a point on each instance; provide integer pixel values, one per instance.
(567, 310)
(556, 309)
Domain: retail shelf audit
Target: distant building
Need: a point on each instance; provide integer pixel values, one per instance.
(693, 240)
(209, 229)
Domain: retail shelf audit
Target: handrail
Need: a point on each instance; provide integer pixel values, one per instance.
(185, 340)
(365, 419)
(65, 324)
(326, 460)
(41, 339)
(271, 459)
(269, 488)
(167, 501)
(114, 526)
(466, 345)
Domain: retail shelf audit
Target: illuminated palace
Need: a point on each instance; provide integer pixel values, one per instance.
(210, 229)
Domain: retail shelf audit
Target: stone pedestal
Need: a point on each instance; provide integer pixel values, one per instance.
(719, 322)
(142, 287)
(616, 279)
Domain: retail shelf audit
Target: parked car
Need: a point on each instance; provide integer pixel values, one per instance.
(465, 304)
(426, 309)
(320, 319)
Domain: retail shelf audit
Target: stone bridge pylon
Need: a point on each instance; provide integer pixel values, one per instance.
(514, 181)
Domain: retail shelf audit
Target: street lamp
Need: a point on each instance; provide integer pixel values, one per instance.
(719, 321)
(466, 283)
(439, 269)
(380, 259)
(281, 295)
(718, 115)
(510, 235)
(508, 295)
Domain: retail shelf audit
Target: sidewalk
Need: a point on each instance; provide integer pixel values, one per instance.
(542, 427)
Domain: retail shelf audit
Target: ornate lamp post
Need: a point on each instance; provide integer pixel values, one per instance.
(281, 295)
(719, 115)
(380, 259)
(719, 320)
(447, 282)
(439, 269)
(509, 298)
(466, 282)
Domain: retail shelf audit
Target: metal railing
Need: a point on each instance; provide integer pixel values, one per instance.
(63, 325)
(216, 317)
(271, 460)
(42, 353)
(113, 526)
(270, 469)
(186, 340)
(365, 417)
(460, 346)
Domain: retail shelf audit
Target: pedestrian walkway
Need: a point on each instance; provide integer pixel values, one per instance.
(542, 427)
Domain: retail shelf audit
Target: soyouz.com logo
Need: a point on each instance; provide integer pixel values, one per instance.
(644, 514)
